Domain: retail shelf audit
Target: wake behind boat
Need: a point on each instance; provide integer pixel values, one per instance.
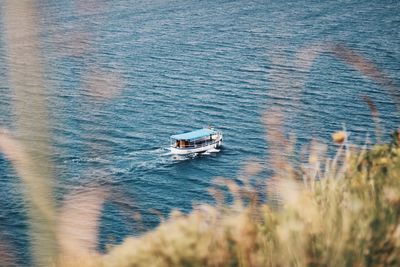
(197, 141)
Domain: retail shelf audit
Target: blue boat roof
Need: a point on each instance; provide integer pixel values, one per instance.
(190, 136)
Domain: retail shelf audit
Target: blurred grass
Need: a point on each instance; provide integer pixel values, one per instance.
(344, 215)
(29, 146)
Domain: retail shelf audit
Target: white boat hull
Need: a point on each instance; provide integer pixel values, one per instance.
(192, 150)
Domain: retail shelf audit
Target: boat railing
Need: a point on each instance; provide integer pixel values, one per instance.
(203, 144)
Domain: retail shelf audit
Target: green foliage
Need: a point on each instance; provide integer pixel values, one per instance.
(343, 220)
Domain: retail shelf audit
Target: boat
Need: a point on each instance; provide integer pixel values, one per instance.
(198, 141)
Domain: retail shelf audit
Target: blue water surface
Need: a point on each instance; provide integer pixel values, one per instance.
(123, 76)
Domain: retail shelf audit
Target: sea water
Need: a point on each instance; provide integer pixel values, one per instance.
(122, 76)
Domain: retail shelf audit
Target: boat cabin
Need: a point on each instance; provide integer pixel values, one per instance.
(197, 138)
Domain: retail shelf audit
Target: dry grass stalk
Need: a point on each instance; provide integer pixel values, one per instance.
(78, 224)
(367, 68)
(339, 137)
(375, 117)
(7, 257)
(29, 150)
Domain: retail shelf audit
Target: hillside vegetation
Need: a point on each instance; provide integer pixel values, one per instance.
(340, 212)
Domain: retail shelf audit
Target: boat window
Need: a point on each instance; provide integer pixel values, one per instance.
(181, 143)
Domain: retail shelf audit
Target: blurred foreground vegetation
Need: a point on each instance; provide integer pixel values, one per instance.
(344, 214)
